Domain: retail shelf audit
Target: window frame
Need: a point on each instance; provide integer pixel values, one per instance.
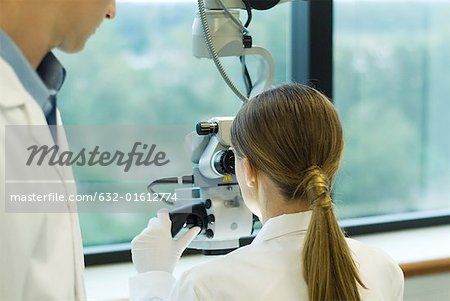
(312, 25)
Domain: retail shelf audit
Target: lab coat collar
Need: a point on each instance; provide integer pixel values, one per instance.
(284, 224)
(41, 83)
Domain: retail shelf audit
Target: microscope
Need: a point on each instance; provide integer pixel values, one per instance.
(213, 200)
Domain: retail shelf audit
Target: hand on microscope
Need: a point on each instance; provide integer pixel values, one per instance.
(154, 249)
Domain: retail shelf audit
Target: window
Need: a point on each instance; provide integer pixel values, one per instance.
(391, 75)
(138, 69)
(390, 79)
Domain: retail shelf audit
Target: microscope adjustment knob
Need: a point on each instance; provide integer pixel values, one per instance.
(208, 204)
(209, 233)
(211, 218)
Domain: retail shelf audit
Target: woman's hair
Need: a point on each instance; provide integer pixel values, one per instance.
(293, 135)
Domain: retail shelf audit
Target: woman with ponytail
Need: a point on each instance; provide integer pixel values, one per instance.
(288, 144)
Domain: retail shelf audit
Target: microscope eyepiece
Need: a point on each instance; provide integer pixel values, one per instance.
(224, 162)
(206, 128)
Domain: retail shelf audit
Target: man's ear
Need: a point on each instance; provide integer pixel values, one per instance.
(249, 173)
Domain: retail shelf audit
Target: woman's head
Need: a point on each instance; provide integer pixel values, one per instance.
(293, 135)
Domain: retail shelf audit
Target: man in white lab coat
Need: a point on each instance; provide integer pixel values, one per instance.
(40, 253)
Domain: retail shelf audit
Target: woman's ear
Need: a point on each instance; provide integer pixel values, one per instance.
(249, 173)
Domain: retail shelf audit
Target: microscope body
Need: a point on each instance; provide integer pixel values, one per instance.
(214, 202)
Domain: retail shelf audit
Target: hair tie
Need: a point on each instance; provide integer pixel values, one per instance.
(317, 188)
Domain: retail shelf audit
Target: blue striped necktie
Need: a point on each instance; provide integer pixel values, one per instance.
(51, 116)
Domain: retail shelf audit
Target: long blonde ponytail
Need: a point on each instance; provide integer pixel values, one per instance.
(329, 269)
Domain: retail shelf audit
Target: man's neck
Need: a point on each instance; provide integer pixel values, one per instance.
(20, 25)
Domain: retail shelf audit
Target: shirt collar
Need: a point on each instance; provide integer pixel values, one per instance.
(284, 224)
(41, 83)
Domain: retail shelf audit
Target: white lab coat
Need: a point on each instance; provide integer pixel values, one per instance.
(268, 269)
(41, 254)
